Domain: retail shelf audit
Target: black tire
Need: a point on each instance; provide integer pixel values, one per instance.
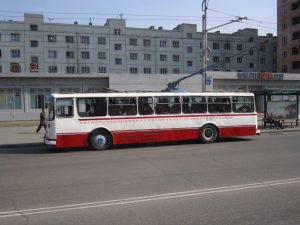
(208, 134)
(100, 140)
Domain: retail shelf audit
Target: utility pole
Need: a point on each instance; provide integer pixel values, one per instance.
(204, 43)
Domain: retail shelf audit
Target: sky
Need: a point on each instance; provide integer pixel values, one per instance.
(261, 14)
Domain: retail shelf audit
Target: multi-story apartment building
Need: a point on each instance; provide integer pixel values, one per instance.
(288, 30)
(39, 58)
(35, 46)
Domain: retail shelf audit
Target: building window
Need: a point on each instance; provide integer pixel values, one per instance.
(118, 47)
(227, 59)
(284, 40)
(296, 65)
(163, 70)
(163, 43)
(15, 37)
(216, 45)
(118, 61)
(38, 96)
(189, 35)
(133, 70)
(227, 46)
(262, 60)
(0, 53)
(69, 39)
(52, 54)
(133, 56)
(296, 35)
(189, 63)
(284, 26)
(10, 98)
(284, 68)
(239, 60)
(295, 20)
(176, 44)
(101, 55)
(147, 42)
(0, 71)
(117, 31)
(51, 38)
(85, 69)
(295, 51)
(189, 49)
(295, 5)
(251, 65)
(33, 27)
(163, 58)
(85, 40)
(251, 39)
(70, 55)
(101, 40)
(147, 57)
(70, 69)
(176, 58)
(176, 70)
(251, 52)
(216, 59)
(35, 59)
(85, 55)
(239, 47)
(33, 44)
(284, 54)
(15, 53)
(147, 70)
(133, 41)
(52, 69)
(102, 69)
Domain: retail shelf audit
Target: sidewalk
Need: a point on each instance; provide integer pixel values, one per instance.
(26, 135)
(21, 135)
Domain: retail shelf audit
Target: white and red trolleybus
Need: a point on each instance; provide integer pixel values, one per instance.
(100, 120)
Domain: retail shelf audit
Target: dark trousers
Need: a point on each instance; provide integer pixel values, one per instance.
(42, 124)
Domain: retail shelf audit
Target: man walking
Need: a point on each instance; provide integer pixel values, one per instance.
(42, 121)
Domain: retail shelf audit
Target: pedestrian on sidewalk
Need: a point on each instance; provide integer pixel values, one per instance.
(42, 121)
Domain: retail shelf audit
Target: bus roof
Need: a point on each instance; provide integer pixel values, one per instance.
(147, 94)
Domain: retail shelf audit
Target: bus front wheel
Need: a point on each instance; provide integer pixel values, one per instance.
(209, 134)
(100, 140)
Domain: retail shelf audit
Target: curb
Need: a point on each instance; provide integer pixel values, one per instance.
(19, 123)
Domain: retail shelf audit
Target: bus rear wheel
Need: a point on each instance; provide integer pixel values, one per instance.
(208, 134)
(100, 140)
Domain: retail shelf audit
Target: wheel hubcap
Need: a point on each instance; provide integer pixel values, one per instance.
(100, 140)
(208, 133)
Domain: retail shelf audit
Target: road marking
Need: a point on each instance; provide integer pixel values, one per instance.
(173, 195)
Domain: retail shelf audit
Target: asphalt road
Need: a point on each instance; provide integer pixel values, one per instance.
(244, 181)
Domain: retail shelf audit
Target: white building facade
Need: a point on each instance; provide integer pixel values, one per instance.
(39, 58)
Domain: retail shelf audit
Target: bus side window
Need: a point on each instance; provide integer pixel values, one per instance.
(219, 105)
(145, 105)
(242, 104)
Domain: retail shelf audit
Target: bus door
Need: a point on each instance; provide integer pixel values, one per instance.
(61, 111)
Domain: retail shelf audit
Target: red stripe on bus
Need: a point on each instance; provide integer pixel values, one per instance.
(146, 136)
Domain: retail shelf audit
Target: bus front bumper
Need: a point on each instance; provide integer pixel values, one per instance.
(49, 141)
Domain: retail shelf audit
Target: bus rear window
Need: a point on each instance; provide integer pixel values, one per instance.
(64, 107)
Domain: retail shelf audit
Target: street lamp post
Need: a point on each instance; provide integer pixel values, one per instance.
(204, 33)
